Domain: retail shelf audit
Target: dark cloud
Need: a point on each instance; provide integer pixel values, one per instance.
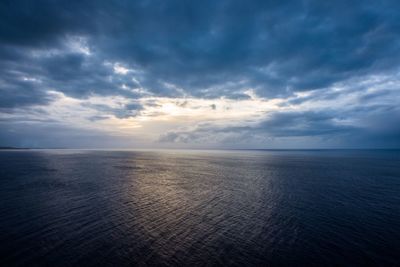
(279, 124)
(206, 49)
(121, 112)
(371, 130)
(272, 47)
(44, 23)
(18, 91)
(310, 123)
(276, 47)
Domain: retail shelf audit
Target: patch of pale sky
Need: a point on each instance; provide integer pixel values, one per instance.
(161, 114)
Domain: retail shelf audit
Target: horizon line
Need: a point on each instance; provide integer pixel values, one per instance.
(199, 149)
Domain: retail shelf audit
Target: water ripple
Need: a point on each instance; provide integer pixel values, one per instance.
(112, 208)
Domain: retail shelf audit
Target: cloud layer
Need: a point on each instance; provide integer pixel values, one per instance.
(158, 73)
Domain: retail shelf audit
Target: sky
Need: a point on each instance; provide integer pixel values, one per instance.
(200, 74)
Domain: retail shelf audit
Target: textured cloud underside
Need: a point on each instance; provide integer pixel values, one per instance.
(199, 74)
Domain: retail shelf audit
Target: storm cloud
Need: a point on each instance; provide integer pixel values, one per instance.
(307, 54)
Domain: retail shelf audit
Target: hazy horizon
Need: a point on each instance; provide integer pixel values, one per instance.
(189, 148)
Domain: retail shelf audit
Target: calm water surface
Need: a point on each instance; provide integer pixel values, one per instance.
(179, 208)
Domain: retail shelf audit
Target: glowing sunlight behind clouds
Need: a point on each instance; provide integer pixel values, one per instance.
(162, 113)
(129, 74)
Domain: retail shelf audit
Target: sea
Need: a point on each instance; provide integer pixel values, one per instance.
(200, 208)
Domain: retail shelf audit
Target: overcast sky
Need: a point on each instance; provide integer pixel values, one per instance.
(200, 74)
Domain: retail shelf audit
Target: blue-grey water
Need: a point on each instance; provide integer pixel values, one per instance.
(196, 208)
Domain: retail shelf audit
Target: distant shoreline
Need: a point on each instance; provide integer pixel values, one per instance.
(11, 148)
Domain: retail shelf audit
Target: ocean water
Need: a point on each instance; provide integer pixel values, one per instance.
(197, 208)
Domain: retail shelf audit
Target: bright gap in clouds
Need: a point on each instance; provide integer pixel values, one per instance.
(212, 121)
(216, 120)
(114, 115)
